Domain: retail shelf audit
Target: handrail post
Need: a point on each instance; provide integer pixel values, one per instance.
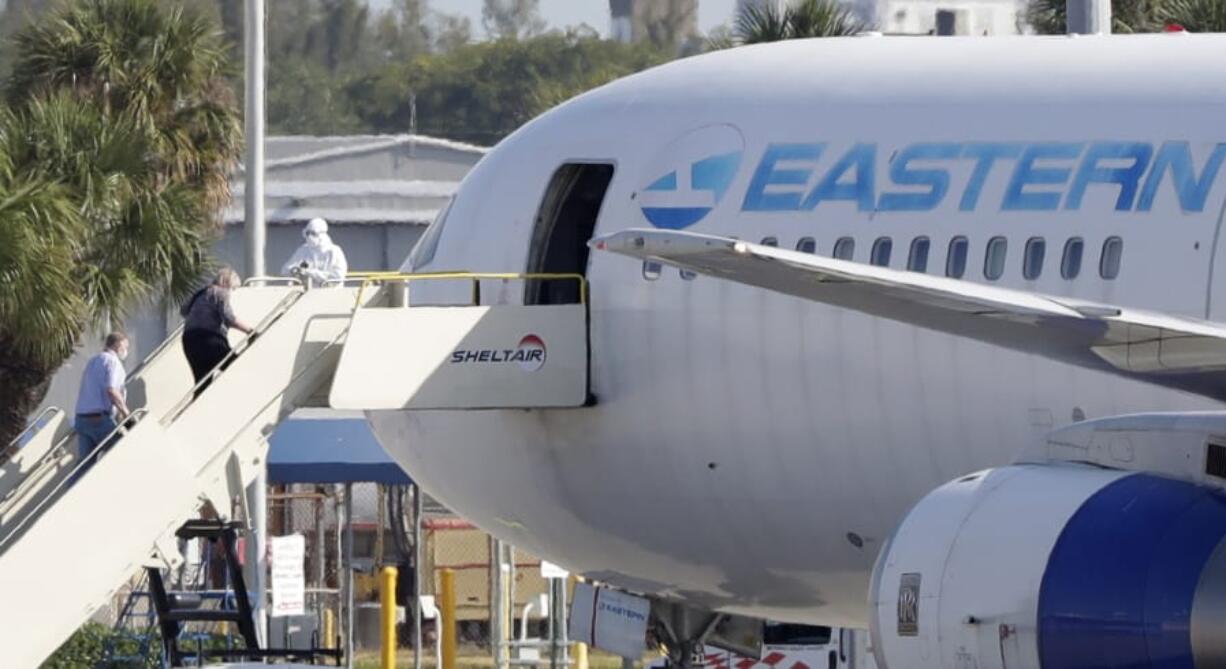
(46, 414)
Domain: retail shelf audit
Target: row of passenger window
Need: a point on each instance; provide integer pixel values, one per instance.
(995, 254)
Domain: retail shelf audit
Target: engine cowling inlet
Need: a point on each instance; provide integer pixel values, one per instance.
(1058, 567)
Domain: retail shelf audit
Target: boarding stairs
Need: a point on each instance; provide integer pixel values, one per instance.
(67, 545)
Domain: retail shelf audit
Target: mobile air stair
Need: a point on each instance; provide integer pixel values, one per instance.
(67, 545)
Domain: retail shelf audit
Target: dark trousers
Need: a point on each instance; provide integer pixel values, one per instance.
(205, 350)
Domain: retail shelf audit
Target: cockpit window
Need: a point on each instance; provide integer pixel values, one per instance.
(423, 252)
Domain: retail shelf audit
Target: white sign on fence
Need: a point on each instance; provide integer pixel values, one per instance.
(610, 620)
(288, 575)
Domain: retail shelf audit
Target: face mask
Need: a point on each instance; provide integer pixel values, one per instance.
(122, 353)
(315, 241)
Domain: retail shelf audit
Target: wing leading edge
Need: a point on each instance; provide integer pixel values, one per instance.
(1168, 350)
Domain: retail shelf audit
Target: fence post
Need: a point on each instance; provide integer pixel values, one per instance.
(387, 598)
(448, 613)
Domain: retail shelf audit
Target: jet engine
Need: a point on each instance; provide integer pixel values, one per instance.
(1055, 566)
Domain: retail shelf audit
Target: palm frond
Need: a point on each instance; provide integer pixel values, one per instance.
(765, 23)
(1127, 16)
(822, 18)
(802, 19)
(1198, 16)
(41, 307)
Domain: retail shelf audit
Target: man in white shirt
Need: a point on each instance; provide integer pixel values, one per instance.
(102, 398)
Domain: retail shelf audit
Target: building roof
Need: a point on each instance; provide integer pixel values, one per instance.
(402, 179)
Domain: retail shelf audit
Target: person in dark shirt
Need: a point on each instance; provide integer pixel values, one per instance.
(207, 319)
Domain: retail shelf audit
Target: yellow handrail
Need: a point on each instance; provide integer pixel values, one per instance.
(389, 277)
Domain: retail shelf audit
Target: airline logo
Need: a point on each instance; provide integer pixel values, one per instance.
(529, 355)
(690, 177)
(1038, 176)
(1122, 176)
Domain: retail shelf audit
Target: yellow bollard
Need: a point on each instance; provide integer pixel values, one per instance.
(329, 640)
(387, 599)
(580, 655)
(580, 647)
(447, 576)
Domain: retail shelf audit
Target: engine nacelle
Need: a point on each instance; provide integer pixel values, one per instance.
(1056, 567)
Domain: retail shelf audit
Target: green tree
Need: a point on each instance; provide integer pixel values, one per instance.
(1198, 16)
(482, 92)
(1127, 16)
(39, 224)
(666, 22)
(120, 111)
(805, 18)
(512, 19)
(452, 32)
(15, 15)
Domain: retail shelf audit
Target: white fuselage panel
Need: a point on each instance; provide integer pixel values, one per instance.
(751, 451)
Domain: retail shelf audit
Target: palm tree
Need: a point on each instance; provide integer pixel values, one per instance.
(159, 61)
(39, 224)
(1127, 16)
(119, 113)
(804, 18)
(822, 18)
(1198, 16)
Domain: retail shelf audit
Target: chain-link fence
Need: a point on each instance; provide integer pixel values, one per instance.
(313, 511)
(500, 592)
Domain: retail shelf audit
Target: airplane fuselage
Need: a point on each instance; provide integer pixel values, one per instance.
(751, 452)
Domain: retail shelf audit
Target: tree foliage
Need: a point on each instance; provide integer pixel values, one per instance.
(162, 64)
(666, 23)
(512, 19)
(801, 19)
(115, 152)
(482, 92)
(1198, 16)
(1127, 16)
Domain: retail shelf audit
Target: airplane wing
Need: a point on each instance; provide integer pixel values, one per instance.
(1172, 351)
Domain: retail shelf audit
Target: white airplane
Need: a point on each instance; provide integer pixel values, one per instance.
(922, 335)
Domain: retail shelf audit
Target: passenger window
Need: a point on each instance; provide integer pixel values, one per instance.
(687, 275)
(845, 248)
(1109, 266)
(917, 259)
(770, 241)
(807, 245)
(651, 270)
(881, 252)
(1070, 262)
(1032, 261)
(994, 258)
(955, 262)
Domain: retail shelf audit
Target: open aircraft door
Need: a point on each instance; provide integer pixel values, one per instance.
(472, 356)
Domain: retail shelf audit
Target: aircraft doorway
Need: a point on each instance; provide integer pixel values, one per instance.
(564, 224)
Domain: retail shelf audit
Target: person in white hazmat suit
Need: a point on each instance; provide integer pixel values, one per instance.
(318, 259)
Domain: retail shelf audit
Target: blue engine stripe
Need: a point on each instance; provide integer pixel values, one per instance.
(1120, 582)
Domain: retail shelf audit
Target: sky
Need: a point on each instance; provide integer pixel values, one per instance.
(562, 13)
